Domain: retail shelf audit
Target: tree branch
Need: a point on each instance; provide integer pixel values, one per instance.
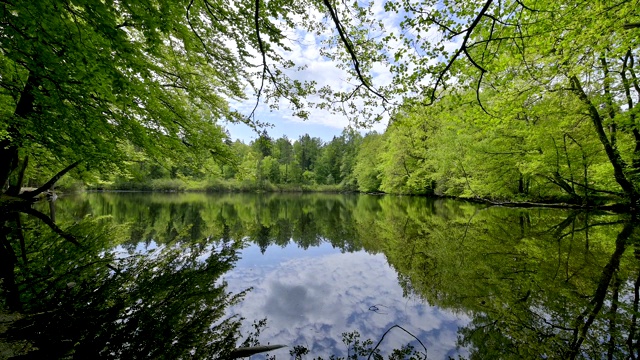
(49, 184)
(349, 46)
(461, 49)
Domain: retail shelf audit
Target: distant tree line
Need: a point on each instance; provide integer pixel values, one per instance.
(452, 148)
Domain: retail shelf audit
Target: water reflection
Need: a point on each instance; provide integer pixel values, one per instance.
(314, 298)
(466, 279)
(71, 294)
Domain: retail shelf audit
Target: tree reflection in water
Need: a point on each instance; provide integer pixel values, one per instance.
(81, 297)
(535, 283)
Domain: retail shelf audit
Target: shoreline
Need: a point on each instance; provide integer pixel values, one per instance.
(559, 204)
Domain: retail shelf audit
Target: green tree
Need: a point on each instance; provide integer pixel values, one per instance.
(82, 81)
(271, 169)
(306, 151)
(263, 144)
(285, 151)
(582, 53)
(366, 170)
(329, 161)
(352, 142)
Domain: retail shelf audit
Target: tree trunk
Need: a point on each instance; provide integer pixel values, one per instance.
(9, 147)
(15, 186)
(619, 165)
(8, 160)
(7, 269)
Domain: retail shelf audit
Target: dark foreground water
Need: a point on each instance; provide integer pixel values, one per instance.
(137, 275)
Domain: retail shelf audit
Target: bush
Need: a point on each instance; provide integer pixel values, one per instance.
(129, 186)
(168, 185)
(70, 186)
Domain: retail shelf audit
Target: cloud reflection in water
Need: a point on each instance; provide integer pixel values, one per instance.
(310, 297)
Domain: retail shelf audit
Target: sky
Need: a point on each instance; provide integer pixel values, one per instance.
(305, 51)
(310, 297)
(325, 127)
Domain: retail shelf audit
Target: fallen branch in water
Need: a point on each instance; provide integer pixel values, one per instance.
(252, 350)
(385, 334)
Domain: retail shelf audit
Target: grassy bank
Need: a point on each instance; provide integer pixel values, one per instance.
(250, 186)
(217, 185)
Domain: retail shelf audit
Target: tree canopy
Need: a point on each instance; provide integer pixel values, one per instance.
(83, 82)
(99, 84)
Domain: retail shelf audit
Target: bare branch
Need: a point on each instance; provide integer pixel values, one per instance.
(349, 46)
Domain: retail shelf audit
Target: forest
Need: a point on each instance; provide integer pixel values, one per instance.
(418, 154)
(518, 102)
(502, 101)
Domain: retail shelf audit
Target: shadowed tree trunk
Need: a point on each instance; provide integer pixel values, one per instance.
(10, 146)
(585, 320)
(7, 268)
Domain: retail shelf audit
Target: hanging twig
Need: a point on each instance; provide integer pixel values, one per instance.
(349, 47)
(385, 334)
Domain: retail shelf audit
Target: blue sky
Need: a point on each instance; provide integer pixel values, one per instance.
(294, 128)
(304, 50)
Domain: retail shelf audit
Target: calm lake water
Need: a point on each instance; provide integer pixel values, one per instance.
(467, 280)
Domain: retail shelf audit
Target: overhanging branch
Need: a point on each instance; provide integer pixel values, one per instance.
(49, 184)
(349, 47)
(462, 49)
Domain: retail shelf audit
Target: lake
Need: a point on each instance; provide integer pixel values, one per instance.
(152, 275)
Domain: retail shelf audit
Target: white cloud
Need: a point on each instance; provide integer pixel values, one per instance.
(311, 301)
(305, 51)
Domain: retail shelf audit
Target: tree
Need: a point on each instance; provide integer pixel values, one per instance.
(271, 169)
(330, 160)
(307, 150)
(285, 151)
(534, 150)
(367, 170)
(352, 142)
(80, 80)
(509, 51)
(263, 144)
(87, 81)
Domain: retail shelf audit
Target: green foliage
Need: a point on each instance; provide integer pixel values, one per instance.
(367, 163)
(168, 185)
(539, 106)
(263, 145)
(528, 279)
(545, 151)
(89, 300)
(99, 82)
